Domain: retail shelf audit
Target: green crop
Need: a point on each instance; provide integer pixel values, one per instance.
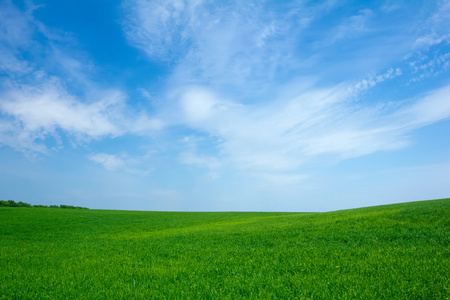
(399, 251)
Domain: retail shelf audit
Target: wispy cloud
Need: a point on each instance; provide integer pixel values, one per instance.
(230, 63)
(42, 98)
(285, 135)
(430, 54)
(135, 165)
(225, 44)
(164, 35)
(350, 28)
(15, 35)
(435, 29)
(108, 161)
(39, 111)
(223, 60)
(433, 107)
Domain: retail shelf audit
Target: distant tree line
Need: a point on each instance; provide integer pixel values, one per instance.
(12, 203)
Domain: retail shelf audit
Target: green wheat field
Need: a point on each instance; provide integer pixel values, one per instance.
(399, 251)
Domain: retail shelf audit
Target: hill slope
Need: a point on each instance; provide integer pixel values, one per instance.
(399, 251)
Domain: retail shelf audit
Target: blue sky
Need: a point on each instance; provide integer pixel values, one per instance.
(224, 105)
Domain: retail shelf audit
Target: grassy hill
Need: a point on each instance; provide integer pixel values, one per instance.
(399, 251)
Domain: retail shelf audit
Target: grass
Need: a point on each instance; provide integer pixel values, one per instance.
(399, 251)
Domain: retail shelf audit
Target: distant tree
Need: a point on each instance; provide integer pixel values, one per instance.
(23, 204)
(71, 207)
(12, 203)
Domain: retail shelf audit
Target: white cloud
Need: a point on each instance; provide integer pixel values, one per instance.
(274, 133)
(38, 106)
(198, 105)
(426, 67)
(219, 42)
(10, 64)
(283, 135)
(46, 109)
(436, 29)
(351, 27)
(430, 40)
(143, 124)
(372, 80)
(134, 165)
(434, 107)
(160, 28)
(190, 158)
(108, 161)
(15, 33)
(40, 110)
(225, 84)
(15, 26)
(190, 154)
(229, 57)
(243, 49)
(11, 135)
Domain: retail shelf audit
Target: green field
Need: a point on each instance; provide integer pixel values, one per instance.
(399, 251)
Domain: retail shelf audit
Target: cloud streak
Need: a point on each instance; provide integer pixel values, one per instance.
(319, 122)
(56, 94)
(230, 63)
(108, 161)
(41, 110)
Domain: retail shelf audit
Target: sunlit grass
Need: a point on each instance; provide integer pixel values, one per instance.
(397, 251)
